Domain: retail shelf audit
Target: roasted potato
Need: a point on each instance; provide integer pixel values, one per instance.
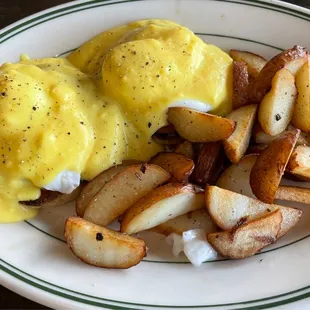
(185, 148)
(301, 117)
(246, 240)
(227, 209)
(293, 193)
(122, 191)
(299, 163)
(102, 247)
(277, 107)
(199, 219)
(195, 126)
(50, 199)
(292, 60)
(179, 166)
(268, 169)
(240, 95)
(209, 165)
(255, 149)
(162, 204)
(236, 145)
(93, 187)
(255, 63)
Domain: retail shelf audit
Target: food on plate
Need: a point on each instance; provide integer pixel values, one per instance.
(50, 199)
(293, 193)
(209, 164)
(93, 187)
(122, 191)
(199, 219)
(240, 85)
(101, 105)
(236, 145)
(196, 126)
(292, 60)
(160, 205)
(269, 167)
(185, 148)
(171, 138)
(255, 63)
(299, 162)
(229, 209)
(179, 166)
(302, 109)
(277, 107)
(247, 239)
(103, 247)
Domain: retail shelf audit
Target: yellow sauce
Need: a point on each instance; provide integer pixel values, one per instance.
(99, 106)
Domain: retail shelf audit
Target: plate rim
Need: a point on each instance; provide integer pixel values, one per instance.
(20, 284)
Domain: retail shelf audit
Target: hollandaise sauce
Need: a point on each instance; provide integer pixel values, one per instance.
(99, 106)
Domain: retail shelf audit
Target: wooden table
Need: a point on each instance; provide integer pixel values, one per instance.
(11, 11)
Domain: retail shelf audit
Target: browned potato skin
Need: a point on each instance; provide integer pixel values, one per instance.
(185, 148)
(93, 187)
(267, 171)
(247, 239)
(179, 166)
(240, 95)
(137, 246)
(262, 84)
(121, 192)
(195, 126)
(255, 63)
(49, 199)
(209, 165)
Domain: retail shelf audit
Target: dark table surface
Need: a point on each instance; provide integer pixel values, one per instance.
(11, 11)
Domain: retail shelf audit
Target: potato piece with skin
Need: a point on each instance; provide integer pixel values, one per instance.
(102, 247)
(292, 193)
(292, 59)
(299, 162)
(277, 107)
(301, 117)
(160, 205)
(185, 148)
(196, 126)
(122, 191)
(93, 187)
(228, 209)
(209, 164)
(236, 145)
(255, 63)
(248, 239)
(179, 166)
(199, 219)
(269, 168)
(240, 85)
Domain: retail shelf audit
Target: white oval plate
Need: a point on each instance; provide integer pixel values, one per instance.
(34, 260)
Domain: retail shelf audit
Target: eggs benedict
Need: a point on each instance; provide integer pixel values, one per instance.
(63, 120)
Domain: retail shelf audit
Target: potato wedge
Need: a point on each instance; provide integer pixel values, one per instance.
(162, 204)
(199, 219)
(179, 166)
(196, 126)
(301, 118)
(185, 148)
(248, 239)
(256, 149)
(49, 199)
(209, 164)
(122, 191)
(240, 95)
(236, 145)
(102, 247)
(299, 162)
(293, 193)
(93, 187)
(229, 209)
(277, 107)
(292, 60)
(255, 63)
(267, 171)
(166, 130)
